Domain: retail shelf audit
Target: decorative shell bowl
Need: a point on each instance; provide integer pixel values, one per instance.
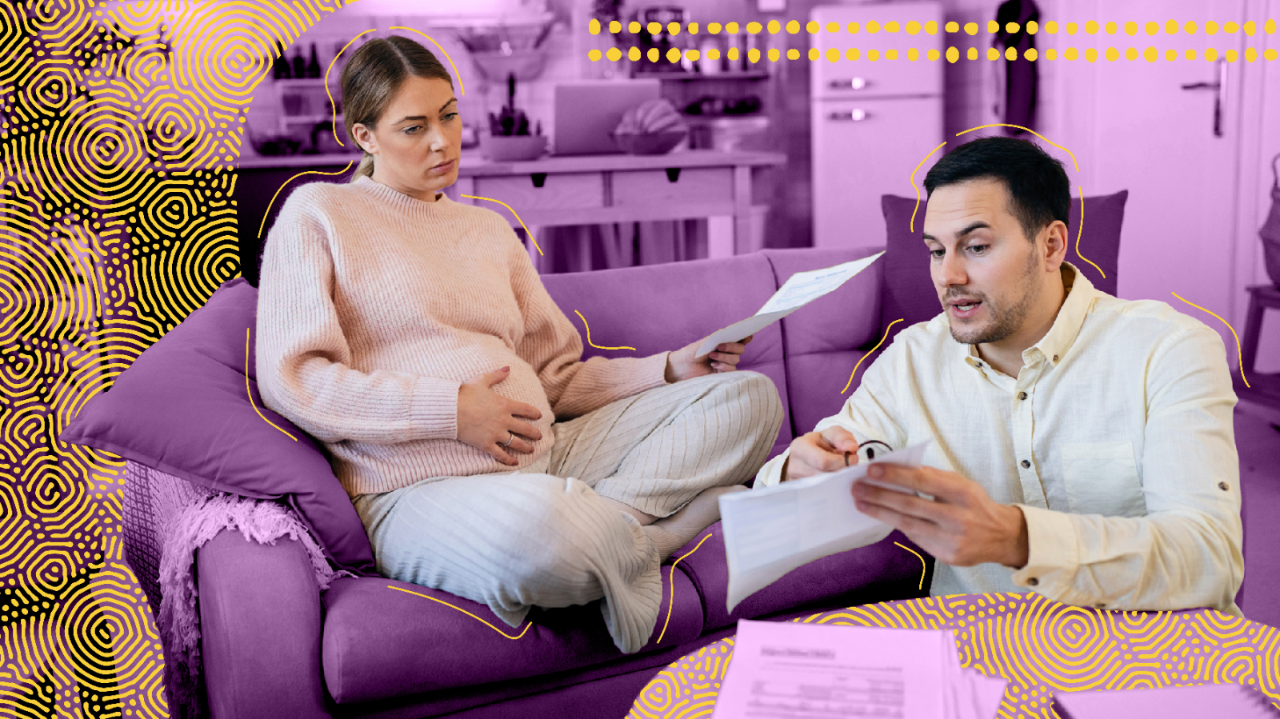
(649, 143)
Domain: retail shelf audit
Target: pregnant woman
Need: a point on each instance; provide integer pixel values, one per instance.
(412, 335)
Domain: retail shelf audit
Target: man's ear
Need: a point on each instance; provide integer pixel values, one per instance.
(1056, 242)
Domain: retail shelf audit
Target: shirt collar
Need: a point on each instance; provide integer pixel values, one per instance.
(1066, 326)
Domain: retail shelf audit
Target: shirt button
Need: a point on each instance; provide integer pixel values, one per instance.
(1100, 605)
(977, 364)
(1055, 358)
(1222, 486)
(1033, 582)
(1022, 395)
(1025, 464)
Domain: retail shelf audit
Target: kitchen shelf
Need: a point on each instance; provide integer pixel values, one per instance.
(712, 119)
(695, 76)
(301, 82)
(296, 119)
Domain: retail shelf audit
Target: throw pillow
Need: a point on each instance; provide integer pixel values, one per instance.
(183, 408)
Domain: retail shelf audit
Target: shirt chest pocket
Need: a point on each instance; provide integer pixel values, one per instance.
(1102, 478)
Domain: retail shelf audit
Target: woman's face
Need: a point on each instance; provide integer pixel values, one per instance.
(417, 140)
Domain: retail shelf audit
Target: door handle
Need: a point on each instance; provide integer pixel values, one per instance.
(853, 83)
(856, 115)
(1218, 88)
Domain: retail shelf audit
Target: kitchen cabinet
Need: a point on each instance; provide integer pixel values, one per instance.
(872, 120)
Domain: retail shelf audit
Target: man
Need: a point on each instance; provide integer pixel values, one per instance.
(1083, 445)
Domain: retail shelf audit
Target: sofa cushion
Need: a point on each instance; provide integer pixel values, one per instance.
(665, 307)
(822, 386)
(381, 642)
(874, 573)
(909, 293)
(183, 408)
(821, 340)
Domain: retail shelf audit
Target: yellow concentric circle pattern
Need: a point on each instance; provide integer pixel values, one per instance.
(1038, 645)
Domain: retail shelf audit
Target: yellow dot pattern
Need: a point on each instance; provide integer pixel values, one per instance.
(1038, 645)
(952, 54)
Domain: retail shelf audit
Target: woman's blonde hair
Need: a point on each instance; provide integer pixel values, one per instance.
(374, 75)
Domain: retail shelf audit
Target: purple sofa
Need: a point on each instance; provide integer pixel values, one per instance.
(273, 645)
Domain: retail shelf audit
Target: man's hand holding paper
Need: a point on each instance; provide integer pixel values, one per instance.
(963, 526)
(770, 531)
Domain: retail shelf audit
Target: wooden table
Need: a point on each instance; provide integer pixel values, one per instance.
(1263, 389)
(556, 191)
(1040, 646)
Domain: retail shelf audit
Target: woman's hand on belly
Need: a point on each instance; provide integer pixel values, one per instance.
(491, 423)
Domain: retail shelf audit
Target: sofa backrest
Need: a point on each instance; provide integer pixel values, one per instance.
(655, 308)
(823, 342)
(664, 307)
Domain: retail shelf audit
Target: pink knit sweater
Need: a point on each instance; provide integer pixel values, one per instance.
(374, 307)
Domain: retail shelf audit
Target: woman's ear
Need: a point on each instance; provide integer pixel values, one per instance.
(364, 138)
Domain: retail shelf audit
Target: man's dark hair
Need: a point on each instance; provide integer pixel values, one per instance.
(1038, 187)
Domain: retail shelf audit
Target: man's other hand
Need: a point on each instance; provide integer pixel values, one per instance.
(962, 527)
(816, 452)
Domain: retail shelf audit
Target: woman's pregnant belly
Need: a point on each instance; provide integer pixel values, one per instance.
(522, 385)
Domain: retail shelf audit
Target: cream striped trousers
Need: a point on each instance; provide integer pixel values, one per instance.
(541, 536)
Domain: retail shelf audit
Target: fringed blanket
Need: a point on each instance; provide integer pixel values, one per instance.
(186, 517)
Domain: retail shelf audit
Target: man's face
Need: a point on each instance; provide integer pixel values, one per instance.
(983, 267)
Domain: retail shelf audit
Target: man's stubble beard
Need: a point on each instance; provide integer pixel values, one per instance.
(1004, 322)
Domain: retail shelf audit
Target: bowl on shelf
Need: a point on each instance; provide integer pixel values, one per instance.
(512, 148)
(524, 64)
(515, 45)
(649, 143)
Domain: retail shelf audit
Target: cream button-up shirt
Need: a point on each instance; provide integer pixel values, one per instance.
(1115, 439)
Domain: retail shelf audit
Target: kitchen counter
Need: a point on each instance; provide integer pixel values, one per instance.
(473, 164)
(259, 162)
(555, 191)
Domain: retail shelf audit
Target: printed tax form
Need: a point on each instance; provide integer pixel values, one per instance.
(790, 670)
(798, 291)
(770, 531)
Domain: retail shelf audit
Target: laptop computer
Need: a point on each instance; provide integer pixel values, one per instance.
(586, 111)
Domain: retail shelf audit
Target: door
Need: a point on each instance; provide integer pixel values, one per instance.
(1168, 131)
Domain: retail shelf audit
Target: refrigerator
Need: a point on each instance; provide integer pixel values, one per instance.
(872, 121)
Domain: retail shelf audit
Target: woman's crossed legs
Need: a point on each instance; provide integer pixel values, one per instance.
(623, 487)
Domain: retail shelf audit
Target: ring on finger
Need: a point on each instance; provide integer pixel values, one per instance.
(509, 439)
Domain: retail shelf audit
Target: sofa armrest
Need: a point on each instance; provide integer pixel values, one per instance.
(260, 627)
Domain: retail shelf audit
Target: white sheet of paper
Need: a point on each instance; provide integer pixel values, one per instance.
(798, 291)
(972, 693)
(772, 530)
(790, 670)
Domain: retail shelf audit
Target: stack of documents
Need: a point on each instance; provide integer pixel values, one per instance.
(785, 670)
(1206, 700)
(798, 291)
(770, 531)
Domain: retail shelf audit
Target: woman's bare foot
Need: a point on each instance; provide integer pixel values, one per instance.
(674, 532)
